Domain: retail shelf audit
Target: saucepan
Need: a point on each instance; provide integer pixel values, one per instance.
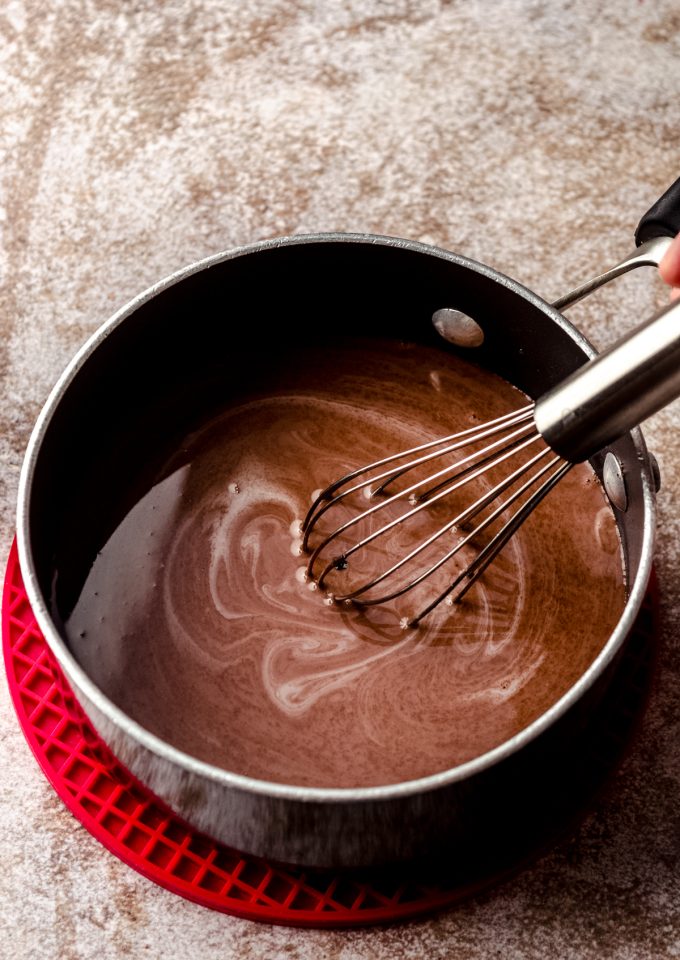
(179, 352)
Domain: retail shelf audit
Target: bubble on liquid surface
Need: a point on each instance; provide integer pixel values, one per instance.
(296, 528)
(436, 380)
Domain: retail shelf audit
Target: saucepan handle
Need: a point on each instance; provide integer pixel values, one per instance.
(652, 238)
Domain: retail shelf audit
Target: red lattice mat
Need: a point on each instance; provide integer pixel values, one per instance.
(136, 827)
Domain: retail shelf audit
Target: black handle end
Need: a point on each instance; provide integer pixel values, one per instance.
(663, 217)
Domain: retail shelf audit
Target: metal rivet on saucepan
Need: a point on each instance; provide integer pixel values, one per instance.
(615, 482)
(656, 472)
(457, 328)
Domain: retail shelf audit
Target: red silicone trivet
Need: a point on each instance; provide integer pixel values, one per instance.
(135, 826)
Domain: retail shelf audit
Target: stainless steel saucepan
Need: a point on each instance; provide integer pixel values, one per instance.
(182, 350)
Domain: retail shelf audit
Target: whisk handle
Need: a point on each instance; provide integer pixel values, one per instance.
(615, 391)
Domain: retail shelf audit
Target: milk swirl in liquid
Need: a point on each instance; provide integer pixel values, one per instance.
(197, 620)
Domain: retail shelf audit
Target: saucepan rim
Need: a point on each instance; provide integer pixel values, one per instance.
(157, 746)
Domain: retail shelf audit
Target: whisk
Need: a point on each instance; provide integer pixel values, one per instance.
(594, 406)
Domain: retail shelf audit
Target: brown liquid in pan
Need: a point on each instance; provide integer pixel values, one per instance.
(197, 621)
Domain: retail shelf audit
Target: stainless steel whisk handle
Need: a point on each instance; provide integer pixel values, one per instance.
(615, 391)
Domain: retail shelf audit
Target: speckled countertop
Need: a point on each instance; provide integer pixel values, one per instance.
(137, 137)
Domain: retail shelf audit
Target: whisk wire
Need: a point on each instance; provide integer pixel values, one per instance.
(455, 483)
(461, 518)
(494, 443)
(505, 443)
(454, 441)
(486, 556)
(476, 435)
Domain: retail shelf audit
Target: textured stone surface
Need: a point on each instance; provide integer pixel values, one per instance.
(137, 137)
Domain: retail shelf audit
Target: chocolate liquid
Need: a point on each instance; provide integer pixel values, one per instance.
(196, 619)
